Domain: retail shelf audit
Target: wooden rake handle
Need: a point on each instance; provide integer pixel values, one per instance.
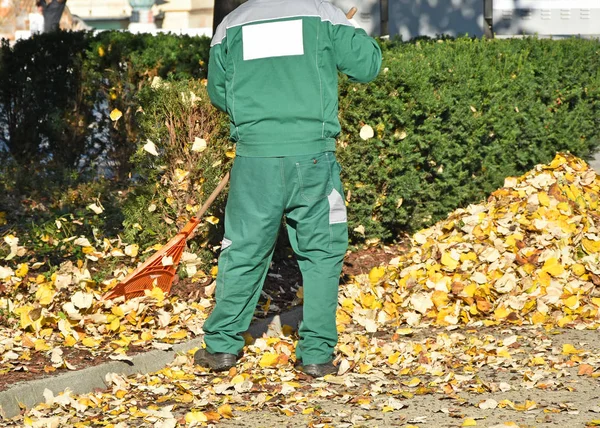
(350, 14)
(211, 198)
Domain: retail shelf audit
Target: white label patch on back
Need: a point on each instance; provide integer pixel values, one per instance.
(273, 39)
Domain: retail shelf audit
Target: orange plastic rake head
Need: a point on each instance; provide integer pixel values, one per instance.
(159, 270)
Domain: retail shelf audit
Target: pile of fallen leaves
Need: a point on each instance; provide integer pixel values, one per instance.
(530, 254)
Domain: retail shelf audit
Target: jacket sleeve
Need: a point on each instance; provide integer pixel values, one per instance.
(357, 54)
(216, 76)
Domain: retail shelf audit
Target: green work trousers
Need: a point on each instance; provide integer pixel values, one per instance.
(306, 190)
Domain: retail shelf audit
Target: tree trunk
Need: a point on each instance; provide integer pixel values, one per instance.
(221, 9)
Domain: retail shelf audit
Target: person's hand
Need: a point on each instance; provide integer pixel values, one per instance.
(350, 15)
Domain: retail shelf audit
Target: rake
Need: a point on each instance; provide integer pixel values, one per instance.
(159, 270)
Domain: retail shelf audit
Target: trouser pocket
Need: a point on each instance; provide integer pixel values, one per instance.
(314, 177)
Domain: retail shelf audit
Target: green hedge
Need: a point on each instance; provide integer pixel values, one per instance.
(57, 91)
(452, 118)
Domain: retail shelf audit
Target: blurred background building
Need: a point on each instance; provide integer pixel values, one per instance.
(117, 14)
(404, 18)
(188, 16)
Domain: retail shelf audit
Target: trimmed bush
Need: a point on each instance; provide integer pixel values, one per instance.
(453, 118)
(57, 91)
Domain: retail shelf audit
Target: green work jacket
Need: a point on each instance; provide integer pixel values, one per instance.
(274, 69)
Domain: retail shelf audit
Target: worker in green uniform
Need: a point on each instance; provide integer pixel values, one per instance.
(273, 68)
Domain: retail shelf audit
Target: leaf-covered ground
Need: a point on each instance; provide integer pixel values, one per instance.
(488, 320)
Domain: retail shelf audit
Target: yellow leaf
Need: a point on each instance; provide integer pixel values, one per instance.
(348, 304)
(132, 250)
(195, 417)
(115, 324)
(237, 379)
(376, 274)
(367, 300)
(393, 358)
(449, 261)
(180, 175)
(100, 51)
(470, 290)
(214, 270)
(181, 334)
(553, 267)
(226, 411)
(88, 250)
(117, 311)
(501, 313)
(364, 368)
(569, 349)
(538, 361)
(22, 270)
(44, 295)
(503, 352)
(90, 342)
(468, 256)
(538, 318)
(413, 382)
(230, 154)
(572, 302)
(544, 199)
(156, 293)
(440, 299)
(70, 341)
(469, 422)
(42, 345)
(578, 269)
(564, 321)
(506, 403)
(212, 219)
(590, 246)
(115, 114)
(24, 311)
(268, 359)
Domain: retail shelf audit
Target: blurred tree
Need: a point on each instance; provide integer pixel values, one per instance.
(13, 14)
(221, 9)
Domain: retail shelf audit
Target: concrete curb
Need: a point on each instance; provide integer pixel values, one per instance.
(29, 394)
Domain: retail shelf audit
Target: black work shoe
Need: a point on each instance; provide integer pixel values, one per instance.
(217, 362)
(317, 370)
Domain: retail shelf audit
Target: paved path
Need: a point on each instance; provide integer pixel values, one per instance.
(595, 162)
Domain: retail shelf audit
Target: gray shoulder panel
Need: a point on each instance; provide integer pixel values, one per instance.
(266, 10)
(333, 14)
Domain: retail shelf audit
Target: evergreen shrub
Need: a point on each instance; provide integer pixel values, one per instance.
(453, 118)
